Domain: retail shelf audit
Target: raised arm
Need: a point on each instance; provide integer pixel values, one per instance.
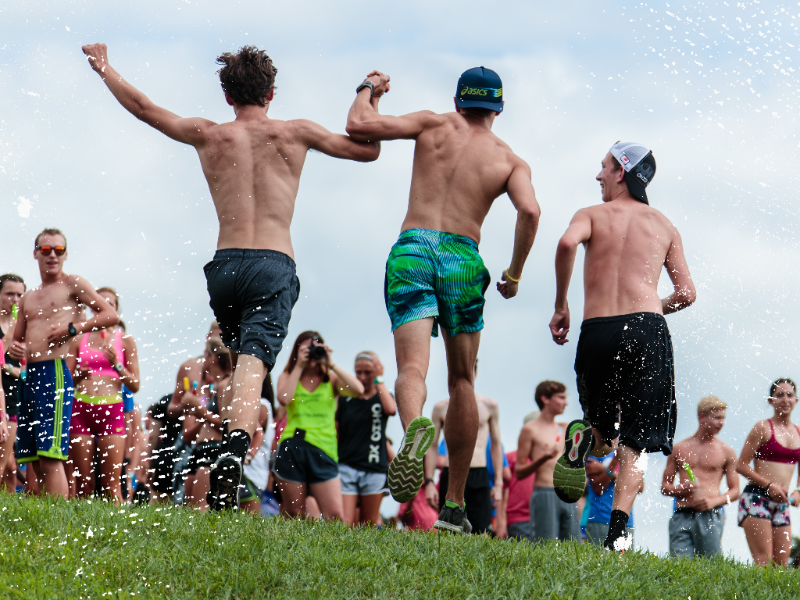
(578, 232)
(365, 123)
(188, 131)
(336, 145)
(684, 293)
(520, 191)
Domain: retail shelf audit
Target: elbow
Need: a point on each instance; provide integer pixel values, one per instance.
(532, 212)
(740, 468)
(689, 296)
(133, 386)
(371, 152)
(565, 247)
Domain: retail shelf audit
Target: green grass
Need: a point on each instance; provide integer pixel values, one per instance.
(46, 551)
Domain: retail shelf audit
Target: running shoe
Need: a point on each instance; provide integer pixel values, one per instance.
(453, 519)
(224, 478)
(406, 474)
(569, 475)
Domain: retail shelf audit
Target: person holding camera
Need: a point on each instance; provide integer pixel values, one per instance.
(363, 460)
(307, 457)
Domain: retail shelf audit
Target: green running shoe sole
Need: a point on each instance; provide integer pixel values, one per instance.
(569, 474)
(406, 474)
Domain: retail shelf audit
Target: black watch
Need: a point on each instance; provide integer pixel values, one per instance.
(365, 84)
(427, 481)
(71, 330)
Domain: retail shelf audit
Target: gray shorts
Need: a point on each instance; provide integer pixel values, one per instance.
(596, 533)
(361, 483)
(252, 295)
(520, 531)
(552, 518)
(692, 533)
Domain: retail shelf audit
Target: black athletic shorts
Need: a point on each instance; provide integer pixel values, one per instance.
(625, 362)
(204, 454)
(297, 461)
(252, 295)
(477, 495)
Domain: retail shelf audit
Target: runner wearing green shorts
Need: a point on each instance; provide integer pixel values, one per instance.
(434, 275)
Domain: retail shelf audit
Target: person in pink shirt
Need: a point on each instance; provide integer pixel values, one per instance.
(514, 516)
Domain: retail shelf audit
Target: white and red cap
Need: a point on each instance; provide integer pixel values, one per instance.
(639, 165)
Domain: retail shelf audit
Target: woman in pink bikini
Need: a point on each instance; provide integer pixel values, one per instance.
(773, 446)
(102, 361)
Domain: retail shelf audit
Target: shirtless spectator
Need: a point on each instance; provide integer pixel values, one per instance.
(48, 318)
(540, 444)
(624, 358)
(253, 166)
(696, 525)
(480, 494)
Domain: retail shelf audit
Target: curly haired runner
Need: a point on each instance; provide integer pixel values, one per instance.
(253, 166)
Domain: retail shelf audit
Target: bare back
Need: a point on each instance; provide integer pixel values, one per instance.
(460, 167)
(253, 170)
(628, 247)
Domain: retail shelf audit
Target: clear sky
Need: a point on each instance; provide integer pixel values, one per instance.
(712, 89)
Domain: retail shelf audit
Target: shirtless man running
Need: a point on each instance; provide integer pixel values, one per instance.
(434, 274)
(624, 355)
(540, 443)
(696, 525)
(480, 494)
(253, 166)
(49, 317)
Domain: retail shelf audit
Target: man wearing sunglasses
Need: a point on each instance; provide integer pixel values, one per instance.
(49, 316)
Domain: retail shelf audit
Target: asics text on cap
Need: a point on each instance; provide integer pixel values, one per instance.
(480, 88)
(639, 165)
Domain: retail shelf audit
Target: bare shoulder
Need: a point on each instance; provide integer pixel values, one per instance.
(490, 403)
(78, 283)
(726, 449)
(440, 409)
(762, 428)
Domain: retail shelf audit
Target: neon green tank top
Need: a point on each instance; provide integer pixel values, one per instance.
(315, 412)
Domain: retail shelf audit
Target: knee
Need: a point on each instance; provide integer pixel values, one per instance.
(411, 372)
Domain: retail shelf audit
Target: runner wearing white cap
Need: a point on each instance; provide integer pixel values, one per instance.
(624, 362)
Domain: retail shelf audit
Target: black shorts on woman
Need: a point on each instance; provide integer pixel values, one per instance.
(252, 294)
(625, 364)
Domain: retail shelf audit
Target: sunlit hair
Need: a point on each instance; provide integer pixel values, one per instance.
(110, 290)
(215, 347)
(366, 355)
(306, 335)
(49, 231)
(247, 76)
(774, 387)
(709, 404)
(11, 277)
(547, 389)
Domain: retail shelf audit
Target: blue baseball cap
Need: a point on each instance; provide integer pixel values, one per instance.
(480, 88)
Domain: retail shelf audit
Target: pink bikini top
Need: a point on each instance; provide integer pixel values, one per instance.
(774, 452)
(96, 361)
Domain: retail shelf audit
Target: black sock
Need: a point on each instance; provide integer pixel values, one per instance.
(616, 528)
(238, 444)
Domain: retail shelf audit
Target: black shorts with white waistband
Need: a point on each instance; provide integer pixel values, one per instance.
(624, 364)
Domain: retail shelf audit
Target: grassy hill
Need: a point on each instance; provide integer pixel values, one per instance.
(51, 549)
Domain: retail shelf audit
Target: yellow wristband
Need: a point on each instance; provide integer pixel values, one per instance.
(510, 278)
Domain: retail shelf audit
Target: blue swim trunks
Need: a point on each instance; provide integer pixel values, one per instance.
(45, 410)
(436, 274)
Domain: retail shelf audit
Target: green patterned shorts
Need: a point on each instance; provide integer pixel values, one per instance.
(436, 274)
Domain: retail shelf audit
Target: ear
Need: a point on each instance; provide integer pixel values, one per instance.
(621, 175)
(455, 102)
(228, 99)
(271, 95)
